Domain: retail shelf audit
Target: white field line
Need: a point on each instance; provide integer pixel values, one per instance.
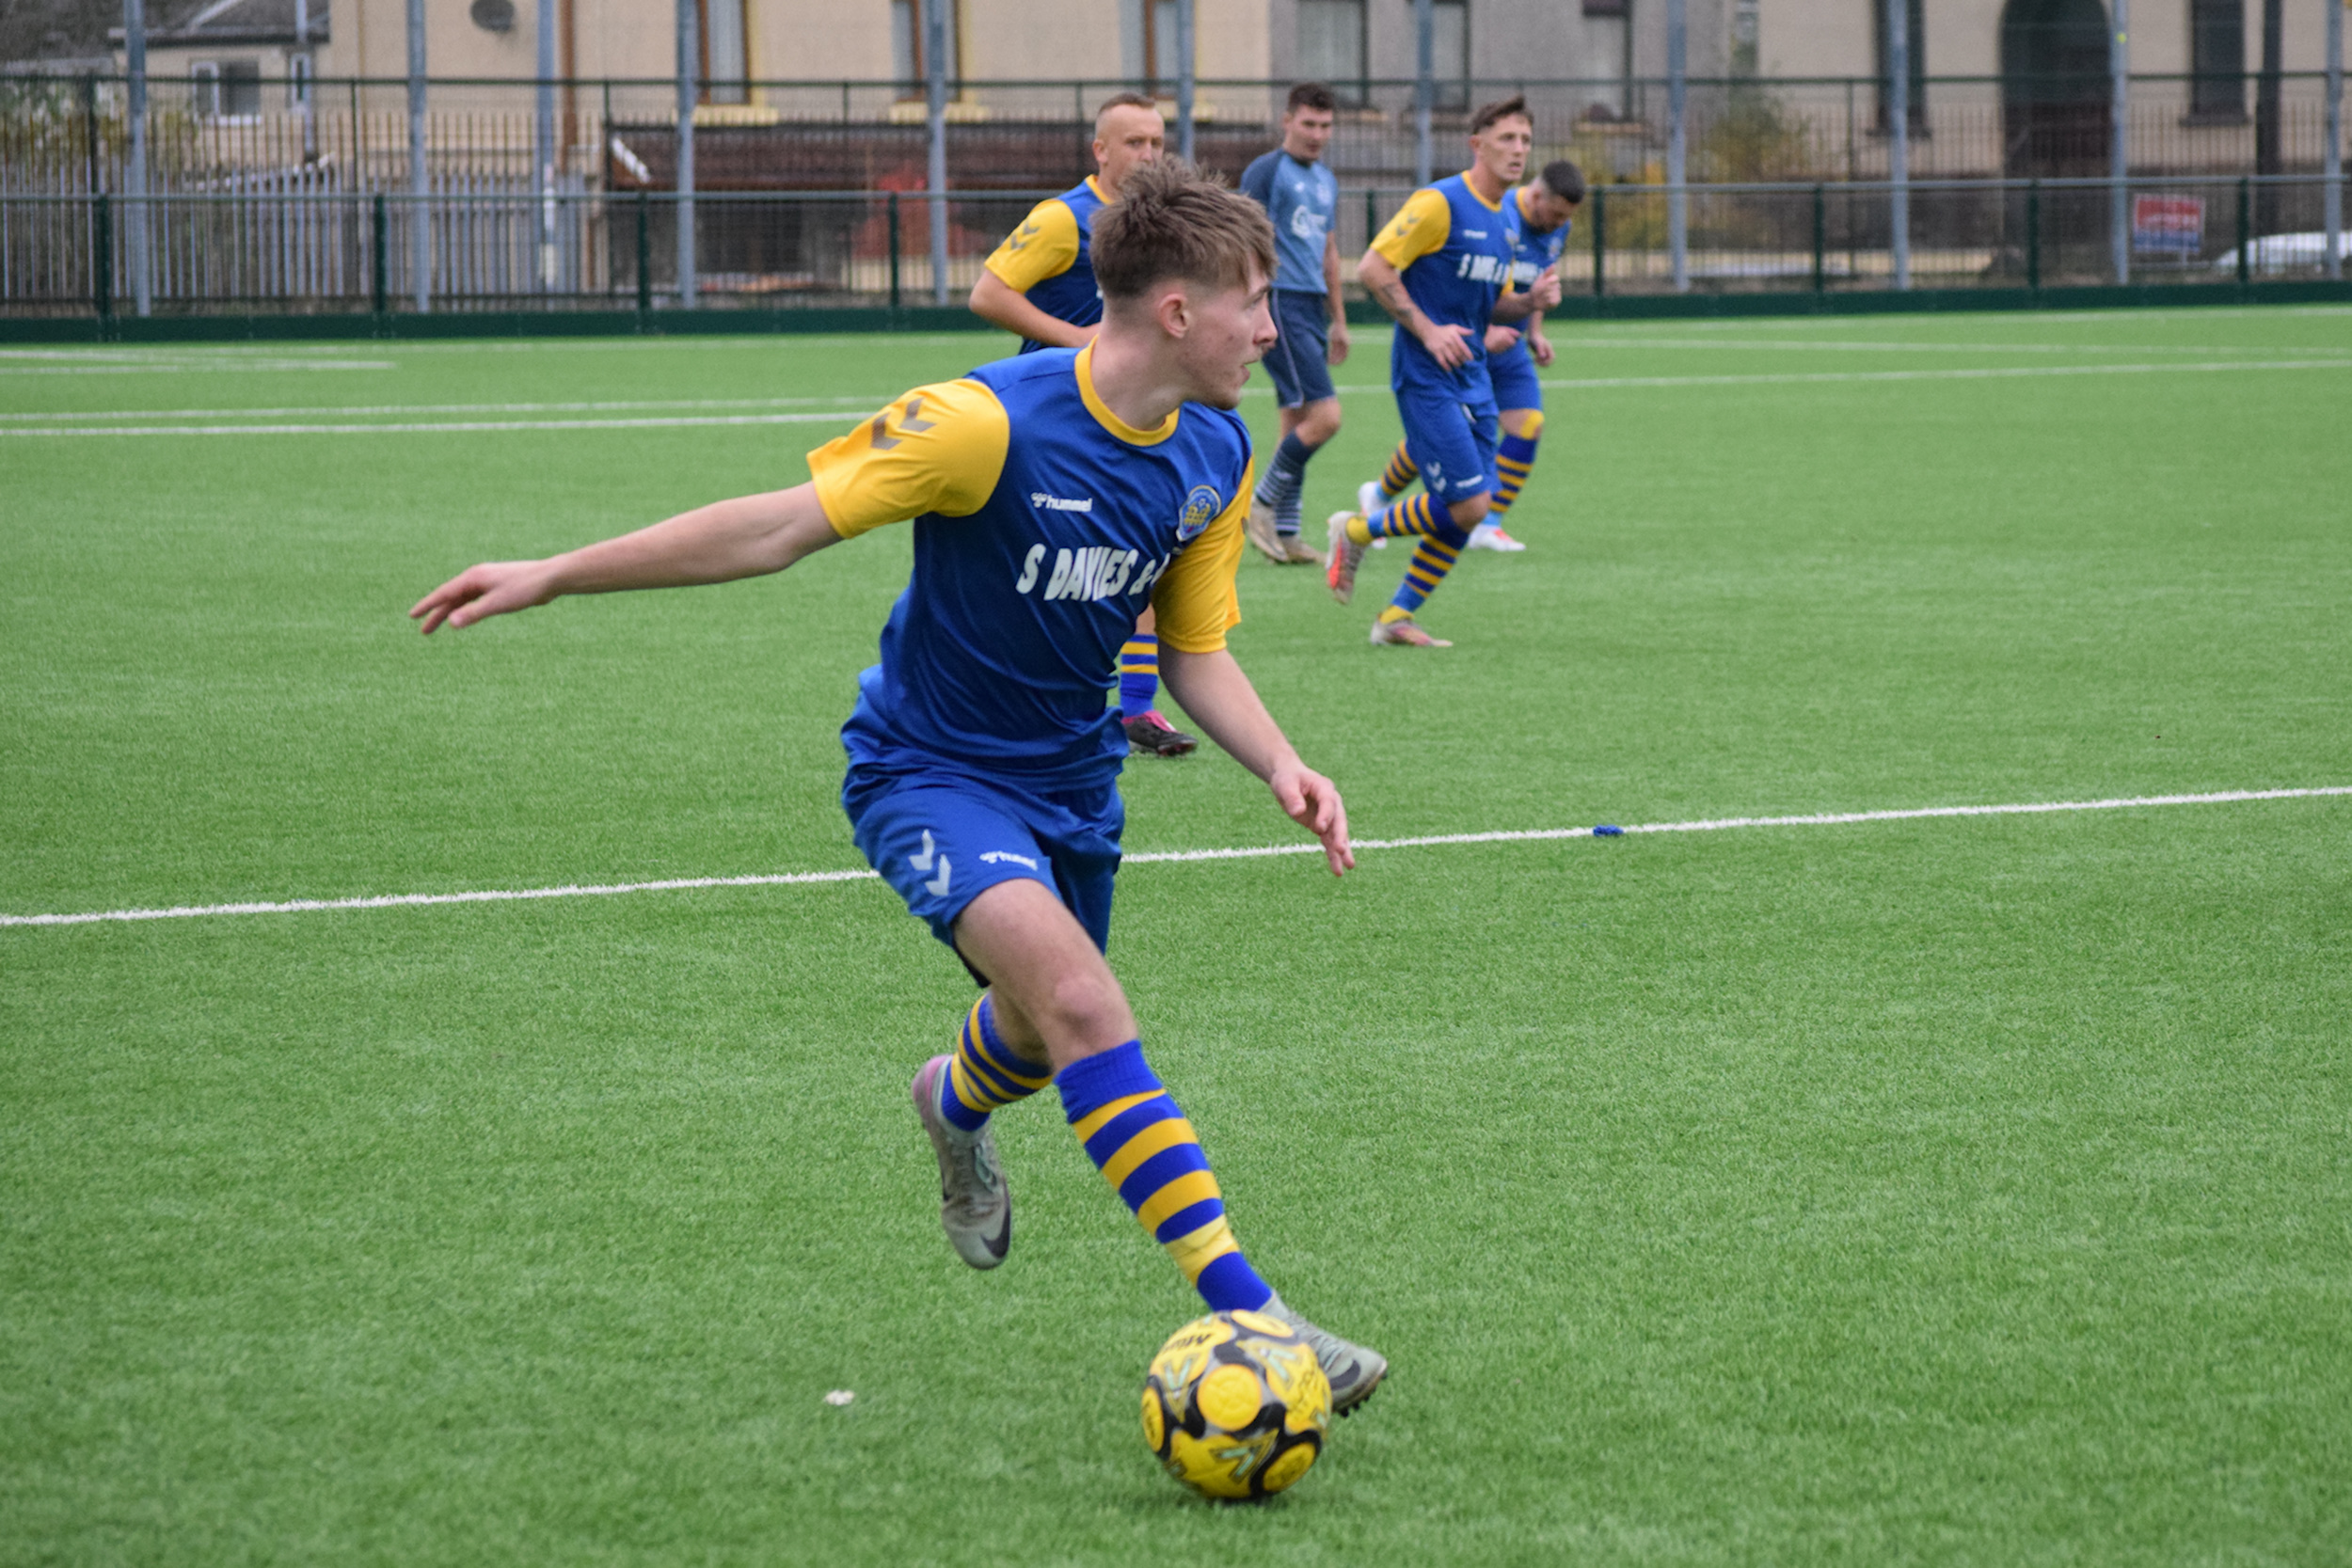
(1718, 824)
(175, 367)
(1856, 345)
(679, 422)
(357, 411)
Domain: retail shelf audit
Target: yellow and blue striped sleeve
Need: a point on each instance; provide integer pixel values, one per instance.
(1045, 246)
(1195, 597)
(1419, 229)
(937, 448)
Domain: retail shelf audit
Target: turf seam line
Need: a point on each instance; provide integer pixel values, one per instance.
(671, 884)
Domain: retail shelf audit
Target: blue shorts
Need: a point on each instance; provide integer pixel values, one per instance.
(941, 838)
(1300, 360)
(1513, 372)
(1452, 444)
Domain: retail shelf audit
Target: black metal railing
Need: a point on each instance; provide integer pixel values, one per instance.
(341, 251)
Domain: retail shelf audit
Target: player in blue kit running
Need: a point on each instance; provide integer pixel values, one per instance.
(1442, 268)
(1040, 285)
(1545, 207)
(1302, 197)
(1051, 496)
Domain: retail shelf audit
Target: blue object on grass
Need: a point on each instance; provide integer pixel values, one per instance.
(1606, 830)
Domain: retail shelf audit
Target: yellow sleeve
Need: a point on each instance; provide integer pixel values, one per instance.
(937, 448)
(1420, 227)
(1044, 246)
(1195, 597)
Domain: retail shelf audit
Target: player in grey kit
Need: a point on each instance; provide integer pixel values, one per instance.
(1302, 197)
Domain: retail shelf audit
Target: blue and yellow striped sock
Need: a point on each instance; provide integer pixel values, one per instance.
(1146, 1150)
(1514, 460)
(1139, 675)
(986, 1075)
(1401, 472)
(1405, 519)
(1428, 567)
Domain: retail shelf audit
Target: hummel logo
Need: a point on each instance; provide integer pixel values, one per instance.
(1060, 504)
(937, 886)
(995, 857)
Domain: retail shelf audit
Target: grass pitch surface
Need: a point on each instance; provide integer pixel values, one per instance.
(1964, 1191)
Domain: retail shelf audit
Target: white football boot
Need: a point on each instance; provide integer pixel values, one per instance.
(975, 1207)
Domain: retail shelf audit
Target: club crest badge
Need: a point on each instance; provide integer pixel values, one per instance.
(1201, 509)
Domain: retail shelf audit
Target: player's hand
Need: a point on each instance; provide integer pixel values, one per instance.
(493, 588)
(1313, 802)
(1544, 291)
(1337, 353)
(1500, 338)
(1448, 344)
(1540, 346)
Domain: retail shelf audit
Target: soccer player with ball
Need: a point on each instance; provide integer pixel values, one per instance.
(1053, 497)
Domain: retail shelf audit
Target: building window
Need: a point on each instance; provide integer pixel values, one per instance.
(1605, 7)
(1331, 46)
(226, 89)
(1448, 53)
(2216, 59)
(907, 62)
(724, 63)
(1915, 46)
(1162, 60)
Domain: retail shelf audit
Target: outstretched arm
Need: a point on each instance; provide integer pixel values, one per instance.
(747, 537)
(1222, 701)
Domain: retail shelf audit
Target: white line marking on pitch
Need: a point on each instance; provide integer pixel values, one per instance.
(787, 879)
(678, 422)
(88, 416)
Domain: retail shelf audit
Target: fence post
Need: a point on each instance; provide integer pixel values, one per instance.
(2033, 236)
(1600, 241)
(644, 256)
(102, 275)
(1820, 239)
(379, 261)
(89, 133)
(2120, 148)
(894, 250)
(1677, 142)
(2245, 230)
(1898, 139)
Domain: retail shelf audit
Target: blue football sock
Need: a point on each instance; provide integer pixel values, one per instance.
(1146, 1150)
(985, 1075)
(1139, 675)
(1285, 479)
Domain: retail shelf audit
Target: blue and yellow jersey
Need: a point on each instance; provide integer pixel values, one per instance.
(1534, 251)
(1453, 250)
(1044, 524)
(1049, 259)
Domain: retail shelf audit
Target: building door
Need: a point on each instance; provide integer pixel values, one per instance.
(2054, 89)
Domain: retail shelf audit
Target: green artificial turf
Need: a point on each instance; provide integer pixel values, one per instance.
(1964, 1191)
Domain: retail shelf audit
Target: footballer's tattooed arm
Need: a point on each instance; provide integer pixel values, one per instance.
(1449, 345)
(747, 537)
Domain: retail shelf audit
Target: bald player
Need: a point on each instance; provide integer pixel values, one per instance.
(1039, 286)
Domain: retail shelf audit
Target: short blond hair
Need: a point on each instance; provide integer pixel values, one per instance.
(1173, 220)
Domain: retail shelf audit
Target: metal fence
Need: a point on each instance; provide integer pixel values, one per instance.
(293, 247)
(64, 136)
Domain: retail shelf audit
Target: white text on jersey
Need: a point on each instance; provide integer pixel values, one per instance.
(1090, 572)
